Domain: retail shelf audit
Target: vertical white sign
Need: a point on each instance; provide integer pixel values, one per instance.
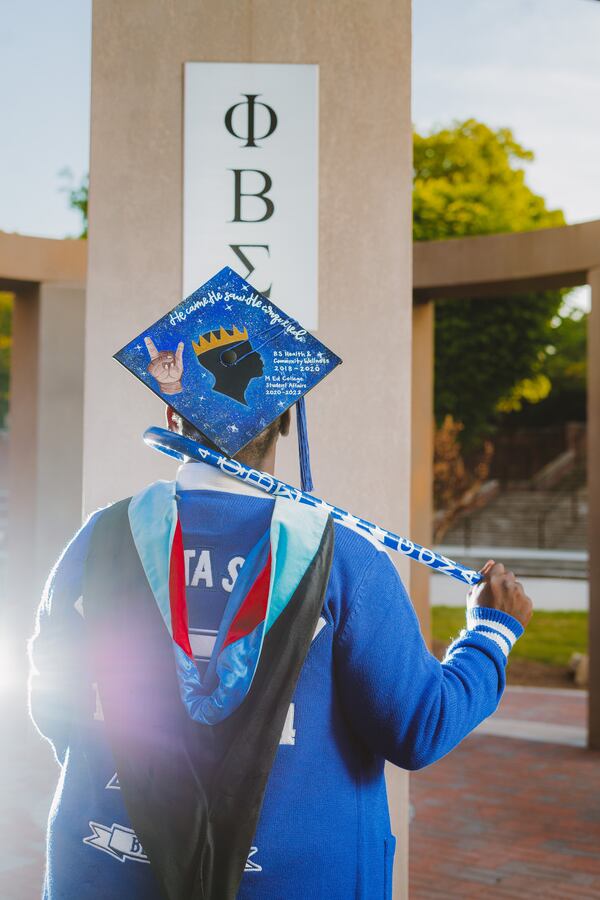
(250, 182)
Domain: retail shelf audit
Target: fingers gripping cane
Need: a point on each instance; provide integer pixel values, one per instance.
(182, 448)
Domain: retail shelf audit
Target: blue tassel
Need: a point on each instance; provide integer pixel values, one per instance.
(306, 482)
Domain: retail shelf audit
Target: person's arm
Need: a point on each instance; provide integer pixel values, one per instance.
(56, 654)
(401, 701)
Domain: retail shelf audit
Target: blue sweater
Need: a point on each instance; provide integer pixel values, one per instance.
(369, 691)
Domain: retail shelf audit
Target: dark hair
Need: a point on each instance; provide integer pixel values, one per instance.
(252, 454)
(232, 369)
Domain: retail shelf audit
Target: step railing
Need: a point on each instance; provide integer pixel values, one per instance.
(533, 525)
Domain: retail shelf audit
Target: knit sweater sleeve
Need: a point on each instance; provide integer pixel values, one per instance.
(401, 701)
(56, 649)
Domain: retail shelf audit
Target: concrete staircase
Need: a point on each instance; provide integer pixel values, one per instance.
(546, 528)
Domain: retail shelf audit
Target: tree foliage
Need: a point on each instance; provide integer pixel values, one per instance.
(468, 181)
(78, 195)
(566, 355)
(564, 366)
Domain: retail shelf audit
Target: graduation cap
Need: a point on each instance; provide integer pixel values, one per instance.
(231, 362)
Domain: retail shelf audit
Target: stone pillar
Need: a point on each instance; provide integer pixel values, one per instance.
(422, 430)
(46, 432)
(60, 421)
(360, 419)
(19, 605)
(593, 480)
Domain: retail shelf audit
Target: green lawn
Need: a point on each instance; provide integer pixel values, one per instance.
(551, 637)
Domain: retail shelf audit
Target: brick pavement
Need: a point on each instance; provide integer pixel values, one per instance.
(506, 817)
(499, 816)
(555, 706)
(28, 776)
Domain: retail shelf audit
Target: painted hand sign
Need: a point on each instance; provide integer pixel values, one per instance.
(166, 367)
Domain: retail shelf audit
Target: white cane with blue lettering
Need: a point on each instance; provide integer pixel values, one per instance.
(183, 448)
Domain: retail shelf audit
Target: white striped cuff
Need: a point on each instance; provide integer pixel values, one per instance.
(497, 626)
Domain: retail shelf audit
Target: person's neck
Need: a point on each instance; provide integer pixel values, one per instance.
(267, 464)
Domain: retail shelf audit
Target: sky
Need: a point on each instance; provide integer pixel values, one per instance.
(45, 111)
(532, 65)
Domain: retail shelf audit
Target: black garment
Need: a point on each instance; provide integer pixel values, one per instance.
(193, 792)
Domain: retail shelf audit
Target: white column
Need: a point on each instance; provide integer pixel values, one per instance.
(60, 420)
(45, 454)
(359, 420)
(593, 475)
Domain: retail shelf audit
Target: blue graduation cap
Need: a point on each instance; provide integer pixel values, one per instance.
(231, 362)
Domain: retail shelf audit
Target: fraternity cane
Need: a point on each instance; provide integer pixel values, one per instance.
(182, 448)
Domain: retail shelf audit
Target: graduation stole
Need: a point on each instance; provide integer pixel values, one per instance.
(193, 754)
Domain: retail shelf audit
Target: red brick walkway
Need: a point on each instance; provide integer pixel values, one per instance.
(507, 817)
(499, 817)
(559, 707)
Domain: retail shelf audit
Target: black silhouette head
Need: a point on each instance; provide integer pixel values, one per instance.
(231, 359)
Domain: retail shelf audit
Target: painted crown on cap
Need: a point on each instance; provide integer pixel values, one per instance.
(220, 338)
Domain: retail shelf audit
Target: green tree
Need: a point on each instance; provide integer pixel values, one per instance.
(78, 197)
(564, 367)
(468, 181)
(565, 361)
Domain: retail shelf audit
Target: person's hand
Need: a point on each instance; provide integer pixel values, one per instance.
(499, 589)
(166, 367)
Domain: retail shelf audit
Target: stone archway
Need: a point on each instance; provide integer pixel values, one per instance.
(47, 279)
(492, 266)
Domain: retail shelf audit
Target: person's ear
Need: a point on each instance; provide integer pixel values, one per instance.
(284, 423)
(173, 420)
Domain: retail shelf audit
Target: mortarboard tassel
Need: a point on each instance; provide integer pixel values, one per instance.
(303, 448)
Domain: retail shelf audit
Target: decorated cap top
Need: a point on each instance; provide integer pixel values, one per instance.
(228, 360)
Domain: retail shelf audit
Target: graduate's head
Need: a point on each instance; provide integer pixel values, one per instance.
(259, 453)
